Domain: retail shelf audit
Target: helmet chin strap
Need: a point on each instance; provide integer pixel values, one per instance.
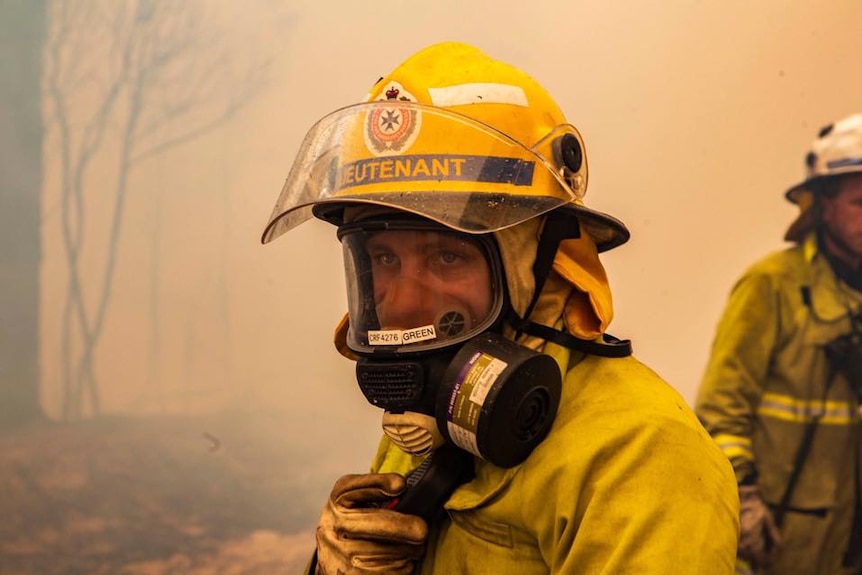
(558, 227)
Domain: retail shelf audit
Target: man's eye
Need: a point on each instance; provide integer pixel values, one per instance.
(385, 258)
(449, 258)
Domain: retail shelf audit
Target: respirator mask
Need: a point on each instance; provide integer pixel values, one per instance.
(425, 306)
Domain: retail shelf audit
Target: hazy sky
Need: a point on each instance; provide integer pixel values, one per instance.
(696, 117)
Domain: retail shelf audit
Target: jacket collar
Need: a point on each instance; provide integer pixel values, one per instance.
(830, 299)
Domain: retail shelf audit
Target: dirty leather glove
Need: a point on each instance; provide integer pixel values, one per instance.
(759, 538)
(358, 535)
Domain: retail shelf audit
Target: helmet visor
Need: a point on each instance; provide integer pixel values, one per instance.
(415, 287)
(424, 160)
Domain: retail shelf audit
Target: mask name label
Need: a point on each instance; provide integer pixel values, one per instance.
(401, 336)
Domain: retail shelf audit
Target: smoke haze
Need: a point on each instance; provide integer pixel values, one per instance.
(696, 118)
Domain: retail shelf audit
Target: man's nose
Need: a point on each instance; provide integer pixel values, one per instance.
(408, 302)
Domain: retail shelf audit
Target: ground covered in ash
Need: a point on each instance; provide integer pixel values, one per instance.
(214, 495)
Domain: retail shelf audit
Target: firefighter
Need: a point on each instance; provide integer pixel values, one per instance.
(782, 387)
(532, 440)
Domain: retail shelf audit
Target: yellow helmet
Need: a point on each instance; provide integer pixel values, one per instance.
(451, 135)
(836, 151)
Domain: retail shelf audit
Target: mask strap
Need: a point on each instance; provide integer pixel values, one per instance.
(609, 346)
(558, 227)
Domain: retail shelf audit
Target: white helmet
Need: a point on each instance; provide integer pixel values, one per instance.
(836, 151)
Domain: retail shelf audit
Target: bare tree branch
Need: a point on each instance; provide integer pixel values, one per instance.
(139, 74)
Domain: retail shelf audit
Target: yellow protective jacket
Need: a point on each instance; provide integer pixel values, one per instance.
(765, 380)
(626, 483)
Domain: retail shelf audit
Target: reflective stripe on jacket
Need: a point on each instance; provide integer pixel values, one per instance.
(627, 482)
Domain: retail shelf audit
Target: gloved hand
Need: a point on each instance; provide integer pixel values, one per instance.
(759, 538)
(357, 534)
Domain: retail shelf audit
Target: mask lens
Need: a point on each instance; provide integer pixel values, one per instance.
(418, 287)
